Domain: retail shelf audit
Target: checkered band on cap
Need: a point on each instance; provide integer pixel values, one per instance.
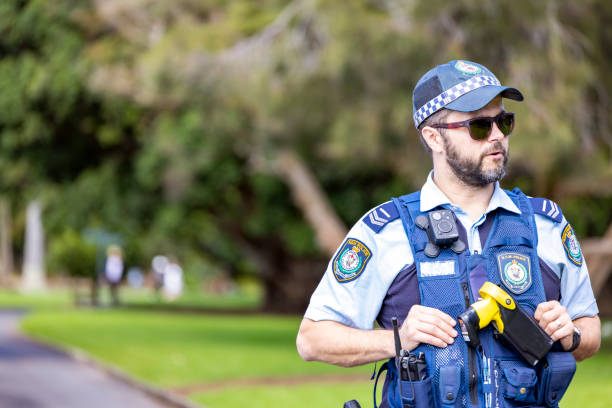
(450, 95)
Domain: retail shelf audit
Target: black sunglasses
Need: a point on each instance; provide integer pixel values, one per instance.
(480, 128)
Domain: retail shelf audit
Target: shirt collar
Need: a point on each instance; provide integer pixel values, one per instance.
(432, 196)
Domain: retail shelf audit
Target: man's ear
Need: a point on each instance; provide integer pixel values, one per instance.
(433, 138)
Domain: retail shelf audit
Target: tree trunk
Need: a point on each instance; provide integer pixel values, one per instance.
(288, 283)
(598, 253)
(289, 287)
(33, 276)
(6, 243)
(310, 198)
(94, 291)
(581, 187)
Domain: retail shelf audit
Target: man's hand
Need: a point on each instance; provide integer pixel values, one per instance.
(427, 325)
(554, 319)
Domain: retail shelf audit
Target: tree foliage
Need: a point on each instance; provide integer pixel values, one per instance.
(166, 122)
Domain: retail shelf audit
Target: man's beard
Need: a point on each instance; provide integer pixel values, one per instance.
(471, 172)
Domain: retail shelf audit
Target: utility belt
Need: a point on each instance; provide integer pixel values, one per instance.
(517, 385)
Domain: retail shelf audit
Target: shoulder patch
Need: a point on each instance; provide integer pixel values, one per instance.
(380, 216)
(351, 260)
(571, 245)
(546, 208)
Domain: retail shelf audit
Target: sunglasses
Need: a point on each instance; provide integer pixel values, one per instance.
(480, 128)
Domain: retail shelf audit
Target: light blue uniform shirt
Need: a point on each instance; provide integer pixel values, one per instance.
(357, 303)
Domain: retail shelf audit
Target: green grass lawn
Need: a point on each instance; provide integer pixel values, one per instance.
(190, 299)
(301, 396)
(173, 350)
(592, 384)
(52, 299)
(64, 297)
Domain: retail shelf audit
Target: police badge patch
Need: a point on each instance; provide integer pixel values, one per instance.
(515, 271)
(571, 245)
(466, 68)
(351, 260)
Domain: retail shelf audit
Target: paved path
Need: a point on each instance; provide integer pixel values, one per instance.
(35, 376)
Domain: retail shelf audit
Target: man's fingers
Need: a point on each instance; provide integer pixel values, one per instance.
(428, 325)
(430, 334)
(445, 317)
(423, 310)
(553, 319)
(435, 331)
(422, 337)
(552, 326)
(563, 331)
(544, 307)
(443, 324)
(549, 317)
(560, 327)
(553, 314)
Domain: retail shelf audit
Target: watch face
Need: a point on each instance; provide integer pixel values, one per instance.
(575, 339)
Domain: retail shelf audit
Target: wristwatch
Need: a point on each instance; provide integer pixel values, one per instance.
(575, 339)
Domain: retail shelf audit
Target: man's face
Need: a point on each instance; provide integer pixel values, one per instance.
(476, 162)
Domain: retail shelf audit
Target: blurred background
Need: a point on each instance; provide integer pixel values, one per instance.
(174, 176)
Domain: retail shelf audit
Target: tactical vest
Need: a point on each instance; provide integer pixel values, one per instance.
(491, 375)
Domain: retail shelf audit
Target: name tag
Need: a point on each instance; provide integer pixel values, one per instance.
(437, 268)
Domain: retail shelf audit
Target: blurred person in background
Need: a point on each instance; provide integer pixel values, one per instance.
(158, 267)
(173, 280)
(113, 271)
(386, 266)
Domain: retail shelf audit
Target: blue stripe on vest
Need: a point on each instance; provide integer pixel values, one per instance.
(380, 216)
(547, 208)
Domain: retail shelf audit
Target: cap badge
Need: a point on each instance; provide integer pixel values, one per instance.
(466, 68)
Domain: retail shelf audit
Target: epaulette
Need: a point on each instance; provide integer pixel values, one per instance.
(381, 216)
(547, 208)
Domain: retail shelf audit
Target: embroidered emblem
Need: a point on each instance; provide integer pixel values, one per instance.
(351, 260)
(571, 245)
(437, 268)
(515, 271)
(467, 68)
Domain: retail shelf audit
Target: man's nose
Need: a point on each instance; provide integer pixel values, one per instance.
(496, 134)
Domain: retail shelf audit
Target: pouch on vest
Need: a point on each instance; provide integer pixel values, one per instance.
(450, 383)
(408, 394)
(556, 373)
(518, 383)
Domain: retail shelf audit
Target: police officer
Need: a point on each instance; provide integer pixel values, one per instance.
(521, 243)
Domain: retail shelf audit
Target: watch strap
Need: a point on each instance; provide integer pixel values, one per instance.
(575, 339)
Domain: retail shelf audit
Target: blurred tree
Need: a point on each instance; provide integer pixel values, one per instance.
(54, 132)
(244, 135)
(318, 93)
(7, 267)
(71, 254)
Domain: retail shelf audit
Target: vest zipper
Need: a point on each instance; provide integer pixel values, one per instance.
(473, 376)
